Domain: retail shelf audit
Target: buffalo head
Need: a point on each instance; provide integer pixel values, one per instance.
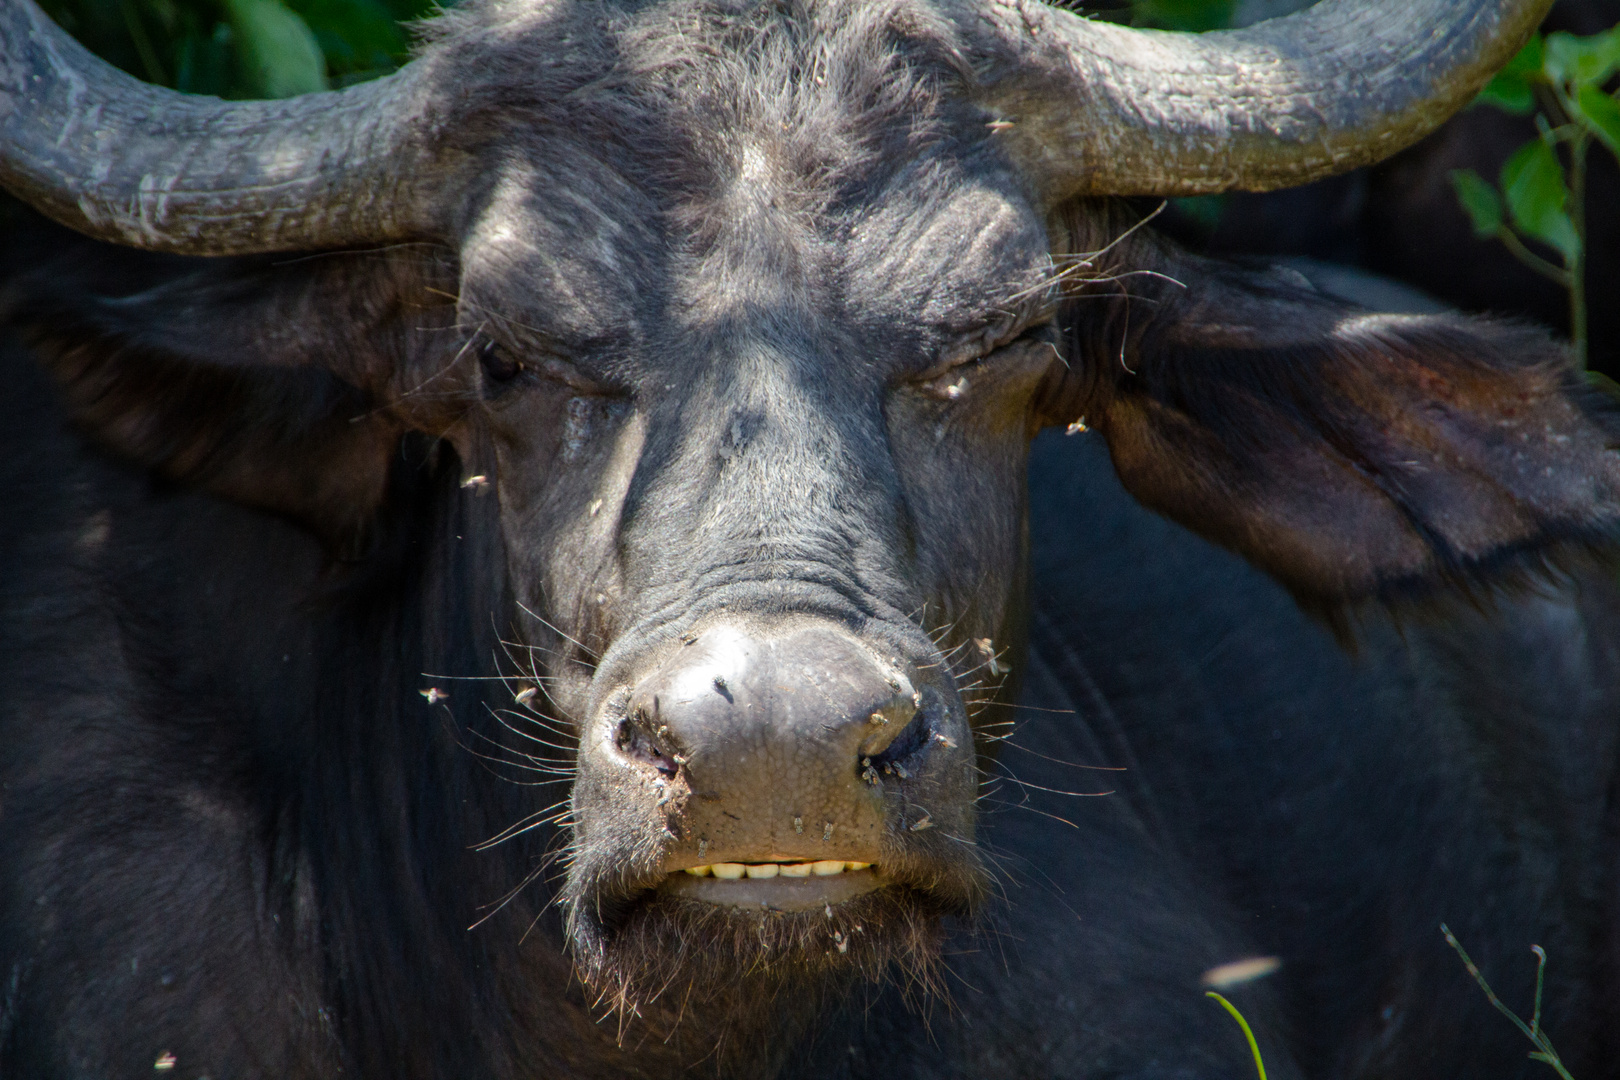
(746, 313)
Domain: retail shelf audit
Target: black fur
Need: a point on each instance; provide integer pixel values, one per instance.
(328, 578)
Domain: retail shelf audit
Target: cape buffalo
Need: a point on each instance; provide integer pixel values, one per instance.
(526, 567)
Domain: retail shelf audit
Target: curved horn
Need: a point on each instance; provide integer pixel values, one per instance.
(1101, 109)
(121, 160)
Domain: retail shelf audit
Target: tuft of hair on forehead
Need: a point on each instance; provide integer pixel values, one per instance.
(834, 76)
(815, 92)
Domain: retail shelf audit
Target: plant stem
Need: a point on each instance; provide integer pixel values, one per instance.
(1577, 265)
(1254, 1047)
(1544, 1051)
(1531, 259)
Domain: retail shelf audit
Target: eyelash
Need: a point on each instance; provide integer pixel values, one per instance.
(952, 378)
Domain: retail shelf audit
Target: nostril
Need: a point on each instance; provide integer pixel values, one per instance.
(908, 744)
(637, 744)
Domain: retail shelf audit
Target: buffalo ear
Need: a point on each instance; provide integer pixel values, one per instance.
(1351, 455)
(262, 380)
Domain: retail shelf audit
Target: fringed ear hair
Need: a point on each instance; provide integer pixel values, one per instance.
(267, 382)
(1352, 455)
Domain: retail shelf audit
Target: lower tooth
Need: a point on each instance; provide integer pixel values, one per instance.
(737, 871)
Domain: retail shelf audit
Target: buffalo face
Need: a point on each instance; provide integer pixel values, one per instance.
(749, 363)
(759, 453)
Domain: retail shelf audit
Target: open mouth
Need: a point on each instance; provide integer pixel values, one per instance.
(775, 886)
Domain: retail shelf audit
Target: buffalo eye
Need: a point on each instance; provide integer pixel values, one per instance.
(988, 366)
(498, 365)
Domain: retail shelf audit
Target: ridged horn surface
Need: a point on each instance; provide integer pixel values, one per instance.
(1100, 109)
(125, 161)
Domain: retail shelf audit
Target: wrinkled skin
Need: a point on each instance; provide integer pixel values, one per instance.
(795, 500)
(636, 406)
(710, 436)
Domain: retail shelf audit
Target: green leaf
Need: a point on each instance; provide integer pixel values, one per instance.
(1601, 114)
(277, 52)
(406, 10)
(359, 37)
(1510, 93)
(1184, 14)
(1533, 186)
(1581, 61)
(203, 64)
(1529, 60)
(1511, 90)
(1479, 199)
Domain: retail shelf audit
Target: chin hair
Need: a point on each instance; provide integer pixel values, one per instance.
(666, 954)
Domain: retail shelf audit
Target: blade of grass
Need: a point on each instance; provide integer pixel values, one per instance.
(1254, 1047)
(1544, 1051)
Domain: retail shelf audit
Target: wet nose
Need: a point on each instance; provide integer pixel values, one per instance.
(783, 740)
